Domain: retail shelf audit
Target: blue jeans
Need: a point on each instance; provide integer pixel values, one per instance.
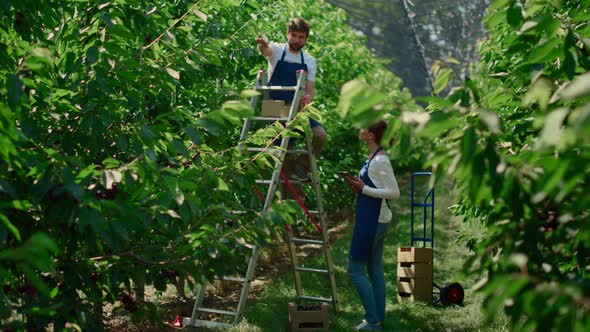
(371, 289)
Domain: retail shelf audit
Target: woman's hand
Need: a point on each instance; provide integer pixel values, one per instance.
(356, 184)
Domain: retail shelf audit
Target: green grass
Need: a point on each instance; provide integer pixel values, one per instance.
(269, 311)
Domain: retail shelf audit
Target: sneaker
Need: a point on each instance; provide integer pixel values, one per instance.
(366, 326)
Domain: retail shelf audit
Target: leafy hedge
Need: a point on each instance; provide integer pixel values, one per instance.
(119, 123)
(515, 137)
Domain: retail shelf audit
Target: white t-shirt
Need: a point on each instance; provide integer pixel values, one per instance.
(381, 173)
(277, 53)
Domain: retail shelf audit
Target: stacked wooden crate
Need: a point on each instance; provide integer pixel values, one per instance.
(414, 274)
(309, 318)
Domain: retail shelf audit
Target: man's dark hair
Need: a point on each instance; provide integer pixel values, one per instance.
(378, 129)
(299, 24)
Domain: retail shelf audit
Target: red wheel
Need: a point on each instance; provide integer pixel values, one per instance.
(452, 294)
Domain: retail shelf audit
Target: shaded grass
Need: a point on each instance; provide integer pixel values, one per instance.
(269, 311)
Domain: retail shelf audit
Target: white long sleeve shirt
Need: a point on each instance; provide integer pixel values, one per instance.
(381, 173)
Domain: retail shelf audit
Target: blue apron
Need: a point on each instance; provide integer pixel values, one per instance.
(285, 74)
(367, 211)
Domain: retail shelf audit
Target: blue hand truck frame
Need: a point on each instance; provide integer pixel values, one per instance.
(448, 294)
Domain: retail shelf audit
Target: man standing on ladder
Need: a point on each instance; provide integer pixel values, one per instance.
(284, 60)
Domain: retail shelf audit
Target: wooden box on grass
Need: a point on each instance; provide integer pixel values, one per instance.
(414, 270)
(309, 318)
(275, 108)
(414, 274)
(414, 289)
(414, 255)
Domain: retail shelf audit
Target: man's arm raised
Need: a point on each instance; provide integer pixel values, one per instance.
(264, 48)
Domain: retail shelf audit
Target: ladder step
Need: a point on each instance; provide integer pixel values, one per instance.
(237, 212)
(306, 241)
(301, 151)
(313, 298)
(268, 118)
(217, 311)
(276, 88)
(267, 182)
(236, 279)
(186, 321)
(305, 269)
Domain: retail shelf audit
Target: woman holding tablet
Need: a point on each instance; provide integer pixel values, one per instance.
(374, 185)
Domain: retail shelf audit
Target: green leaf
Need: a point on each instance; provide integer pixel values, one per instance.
(173, 73)
(151, 10)
(349, 91)
(221, 185)
(498, 4)
(438, 124)
(111, 177)
(514, 15)
(473, 87)
(544, 51)
(528, 25)
(552, 130)
(442, 79)
(173, 214)
(15, 92)
(92, 54)
(249, 93)
(453, 61)
(539, 93)
(491, 120)
(570, 63)
(578, 88)
(44, 242)
(494, 20)
(7, 188)
(437, 102)
(200, 14)
(10, 226)
(39, 59)
(468, 145)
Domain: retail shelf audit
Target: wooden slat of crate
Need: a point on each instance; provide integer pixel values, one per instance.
(414, 255)
(300, 319)
(414, 270)
(411, 298)
(421, 288)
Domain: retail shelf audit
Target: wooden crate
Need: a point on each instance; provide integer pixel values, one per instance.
(414, 270)
(301, 318)
(411, 298)
(414, 289)
(275, 108)
(414, 255)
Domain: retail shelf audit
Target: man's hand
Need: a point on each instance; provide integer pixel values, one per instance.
(309, 92)
(264, 48)
(261, 42)
(305, 100)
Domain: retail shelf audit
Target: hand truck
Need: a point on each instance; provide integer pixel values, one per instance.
(448, 294)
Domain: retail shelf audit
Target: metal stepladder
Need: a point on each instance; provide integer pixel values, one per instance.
(278, 177)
